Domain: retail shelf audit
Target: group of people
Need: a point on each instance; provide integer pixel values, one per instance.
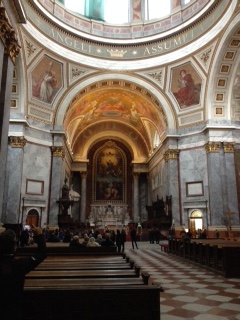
(97, 239)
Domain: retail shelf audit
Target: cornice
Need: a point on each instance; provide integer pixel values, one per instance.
(129, 49)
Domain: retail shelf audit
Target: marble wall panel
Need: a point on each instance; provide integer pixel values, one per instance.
(12, 188)
(193, 168)
(36, 166)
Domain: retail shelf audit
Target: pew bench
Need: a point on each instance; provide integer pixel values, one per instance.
(69, 251)
(221, 257)
(92, 302)
(102, 273)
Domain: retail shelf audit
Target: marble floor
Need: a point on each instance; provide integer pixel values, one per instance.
(190, 292)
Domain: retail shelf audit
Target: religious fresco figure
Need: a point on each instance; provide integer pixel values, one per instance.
(45, 85)
(109, 175)
(186, 86)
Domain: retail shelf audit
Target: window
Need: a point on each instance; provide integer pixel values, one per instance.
(110, 11)
(116, 11)
(156, 9)
(71, 5)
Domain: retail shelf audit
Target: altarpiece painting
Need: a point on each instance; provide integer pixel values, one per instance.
(110, 174)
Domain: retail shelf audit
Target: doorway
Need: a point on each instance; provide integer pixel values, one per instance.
(195, 222)
(32, 217)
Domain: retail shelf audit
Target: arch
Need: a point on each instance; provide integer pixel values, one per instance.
(217, 72)
(156, 92)
(33, 217)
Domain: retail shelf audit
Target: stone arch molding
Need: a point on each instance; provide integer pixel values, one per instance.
(223, 75)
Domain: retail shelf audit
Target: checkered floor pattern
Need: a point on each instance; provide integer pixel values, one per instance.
(190, 292)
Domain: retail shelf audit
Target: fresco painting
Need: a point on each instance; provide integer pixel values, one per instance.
(46, 80)
(186, 86)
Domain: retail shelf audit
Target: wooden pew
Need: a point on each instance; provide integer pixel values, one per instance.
(92, 302)
(89, 294)
(58, 274)
(218, 255)
(68, 251)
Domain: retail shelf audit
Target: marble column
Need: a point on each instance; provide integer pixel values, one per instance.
(230, 182)
(9, 50)
(12, 212)
(215, 187)
(58, 155)
(171, 158)
(83, 195)
(136, 212)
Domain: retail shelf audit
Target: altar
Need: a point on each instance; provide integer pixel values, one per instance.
(109, 215)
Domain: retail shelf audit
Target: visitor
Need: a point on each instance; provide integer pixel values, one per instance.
(133, 235)
(13, 271)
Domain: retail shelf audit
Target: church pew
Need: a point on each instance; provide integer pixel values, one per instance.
(84, 266)
(68, 251)
(58, 274)
(92, 302)
(222, 257)
(79, 282)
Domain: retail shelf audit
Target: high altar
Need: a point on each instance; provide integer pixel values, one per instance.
(109, 215)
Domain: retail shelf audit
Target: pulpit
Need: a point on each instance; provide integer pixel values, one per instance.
(65, 203)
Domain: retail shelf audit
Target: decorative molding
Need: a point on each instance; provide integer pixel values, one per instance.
(58, 151)
(17, 142)
(212, 147)
(171, 154)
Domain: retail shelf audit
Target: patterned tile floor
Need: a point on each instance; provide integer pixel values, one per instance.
(189, 291)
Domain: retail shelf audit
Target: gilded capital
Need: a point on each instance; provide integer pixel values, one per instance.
(8, 36)
(171, 154)
(228, 146)
(17, 142)
(58, 152)
(136, 175)
(212, 147)
(83, 174)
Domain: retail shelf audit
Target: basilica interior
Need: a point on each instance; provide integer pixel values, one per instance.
(110, 123)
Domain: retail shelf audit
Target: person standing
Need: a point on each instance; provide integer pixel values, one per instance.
(133, 235)
(123, 239)
(13, 271)
(118, 240)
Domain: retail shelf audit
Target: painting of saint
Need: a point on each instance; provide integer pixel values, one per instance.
(46, 84)
(186, 86)
(109, 175)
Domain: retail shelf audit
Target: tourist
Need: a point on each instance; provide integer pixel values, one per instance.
(92, 243)
(13, 271)
(124, 239)
(107, 242)
(133, 235)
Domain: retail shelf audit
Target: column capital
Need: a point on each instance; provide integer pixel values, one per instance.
(228, 147)
(212, 147)
(17, 142)
(58, 151)
(171, 154)
(8, 36)
(83, 174)
(136, 175)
